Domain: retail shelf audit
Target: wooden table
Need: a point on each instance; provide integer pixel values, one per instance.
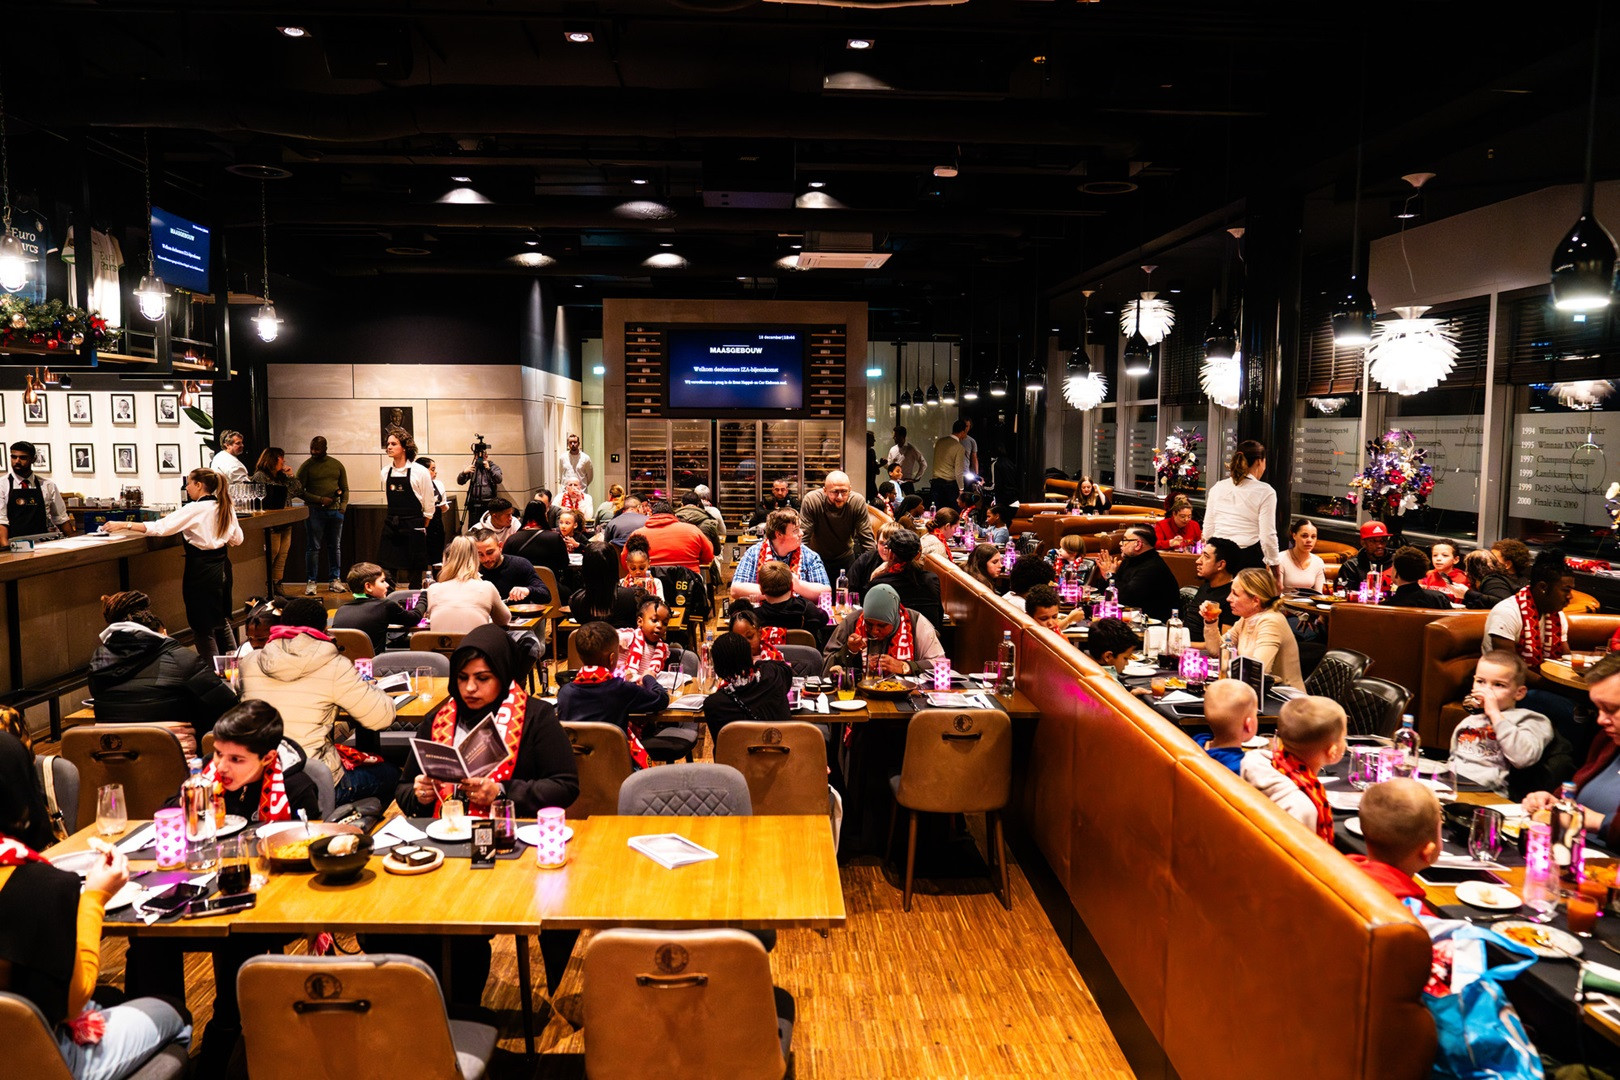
(1560, 672)
(416, 708)
(1017, 707)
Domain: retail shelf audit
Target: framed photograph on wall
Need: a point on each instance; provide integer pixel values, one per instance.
(168, 409)
(79, 409)
(205, 402)
(2, 411)
(168, 459)
(205, 455)
(124, 459)
(82, 457)
(34, 412)
(42, 457)
(395, 419)
(123, 408)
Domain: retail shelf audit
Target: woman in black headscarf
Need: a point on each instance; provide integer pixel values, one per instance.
(50, 938)
(539, 771)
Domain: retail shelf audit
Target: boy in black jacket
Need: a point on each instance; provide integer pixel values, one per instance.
(372, 611)
(596, 695)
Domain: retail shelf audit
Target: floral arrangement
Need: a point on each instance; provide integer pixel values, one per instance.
(52, 325)
(1397, 478)
(1176, 465)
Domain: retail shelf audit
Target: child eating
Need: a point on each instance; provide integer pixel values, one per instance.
(1501, 737)
(1400, 820)
(1232, 712)
(1045, 606)
(596, 695)
(1310, 731)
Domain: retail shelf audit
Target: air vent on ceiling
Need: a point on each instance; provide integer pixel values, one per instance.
(840, 251)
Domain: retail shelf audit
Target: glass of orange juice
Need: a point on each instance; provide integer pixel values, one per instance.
(1582, 913)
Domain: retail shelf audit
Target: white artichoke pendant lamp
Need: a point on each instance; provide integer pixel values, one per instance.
(1410, 354)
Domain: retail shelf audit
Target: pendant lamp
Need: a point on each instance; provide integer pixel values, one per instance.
(268, 325)
(1222, 380)
(1584, 394)
(1353, 308)
(151, 295)
(1153, 318)
(948, 394)
(1328, 406)
(1138, 355)
(1410, 354)
(1083, 388)
(998, 384)
(932, 396)
(1584, 265)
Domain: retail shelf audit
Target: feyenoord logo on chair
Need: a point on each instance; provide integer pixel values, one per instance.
(671, 959)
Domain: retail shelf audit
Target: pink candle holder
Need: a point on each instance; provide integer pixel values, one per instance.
(1194, 667)
(942, 674)
(169, 832)
(552, 850)
(362, 668)
(1389, 759)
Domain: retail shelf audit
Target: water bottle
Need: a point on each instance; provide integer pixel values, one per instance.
(841, 595)
(1009, 556)
(1177, 636)
(1569, 837)
(1006, 664)
(1406, 741)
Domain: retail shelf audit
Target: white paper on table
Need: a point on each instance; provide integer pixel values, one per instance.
(822, 705)
(138, 839)
(397, 831)
(1179, 697)
(941, 700)
(673, 680)
(689, 703)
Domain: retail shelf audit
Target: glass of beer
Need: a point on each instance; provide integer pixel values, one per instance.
(846, 685)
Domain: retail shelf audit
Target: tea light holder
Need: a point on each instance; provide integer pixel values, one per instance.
(169, 837)
(362, 668)
(1194, 667)
(552, 851)
(942, 673)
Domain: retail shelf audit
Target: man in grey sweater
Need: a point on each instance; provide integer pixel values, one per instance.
(835, 522)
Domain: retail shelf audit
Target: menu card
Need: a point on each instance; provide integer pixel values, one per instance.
(478, 753)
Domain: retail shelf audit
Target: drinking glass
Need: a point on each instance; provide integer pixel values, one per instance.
(503, 812)
(1363, 767)
(1444, 777)
(1485, 835)
(422, 682)
(112, 812)
(235, 872)
(1582, 913)
(795, 692)
(846, 686)
(258, 860)
(992, 674)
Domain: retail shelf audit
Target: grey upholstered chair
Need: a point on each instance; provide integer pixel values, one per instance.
(699, 790)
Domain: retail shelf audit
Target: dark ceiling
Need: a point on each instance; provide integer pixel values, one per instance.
(1083, 132)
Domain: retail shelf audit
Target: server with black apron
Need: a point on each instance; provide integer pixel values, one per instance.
(208, 528)
(31, 505)
(435, 529)
(402, 548)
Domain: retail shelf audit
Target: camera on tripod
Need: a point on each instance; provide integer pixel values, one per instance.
(479, 446)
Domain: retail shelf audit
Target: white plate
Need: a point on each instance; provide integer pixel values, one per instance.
(77, 862)
(440, 829)
(1483, 894)
(1141, 669)
(1344, 800)
(530, 834)
(234, 823)
(1567, 944)
(848, 706)
(1354, 827)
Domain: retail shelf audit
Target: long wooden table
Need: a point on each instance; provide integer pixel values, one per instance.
(415, 709)
(1017, 706)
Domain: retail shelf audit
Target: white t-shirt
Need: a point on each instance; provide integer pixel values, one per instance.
(229, 466)
(108, 258)
(1314, 576)
(1505, 621)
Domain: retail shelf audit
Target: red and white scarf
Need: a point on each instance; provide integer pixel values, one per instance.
(590, 675)
(1541, 637)
(508, 719)
(900, 644)
(282, 633)
(638, 657)
(273, 802)
(769, 638)
(15, 852)
(570, 499)
(646, 582)
(792, 558)
(1306, 780)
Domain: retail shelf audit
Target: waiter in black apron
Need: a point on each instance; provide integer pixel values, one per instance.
(208, 528)
(32, 505)
(402, 548)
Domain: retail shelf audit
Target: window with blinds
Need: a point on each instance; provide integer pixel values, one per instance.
(1536, 343)
(1324, 369)
(1182, 353)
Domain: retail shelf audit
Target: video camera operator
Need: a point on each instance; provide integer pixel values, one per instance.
(482, 478)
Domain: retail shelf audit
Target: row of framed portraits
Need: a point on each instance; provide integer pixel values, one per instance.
(81, 409)
(125, 458)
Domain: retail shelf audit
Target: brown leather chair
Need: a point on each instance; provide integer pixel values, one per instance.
(33, 1052)
(1185, 567)
(314, 1017)
(682, 1005)
(958, 761)
(1451, 648)
(785, 764)
(800, 637)
(556, 610)
(146, 759)
(432, 641)
(354, 644)
(602, 756)
(1392, 636)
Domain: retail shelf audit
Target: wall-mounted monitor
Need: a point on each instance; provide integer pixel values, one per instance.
(181, 249)
(754, 370)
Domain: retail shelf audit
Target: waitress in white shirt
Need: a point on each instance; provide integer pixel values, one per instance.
(402, 548)
(207, 526)
(1242, 508)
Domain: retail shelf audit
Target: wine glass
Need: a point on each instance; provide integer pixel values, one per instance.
(112, 812)
(258, 495)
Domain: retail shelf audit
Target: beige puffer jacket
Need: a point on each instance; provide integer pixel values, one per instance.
(307, 681)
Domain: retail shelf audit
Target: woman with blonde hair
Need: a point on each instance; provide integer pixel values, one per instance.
(610, 505)
(461, 600)
(207, 528)
(1242, 508)
(1261, 631)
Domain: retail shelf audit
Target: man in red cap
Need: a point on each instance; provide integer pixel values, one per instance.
(1373, 555)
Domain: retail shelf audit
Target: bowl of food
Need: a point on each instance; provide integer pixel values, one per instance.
(286, 843)
(340, 857)
(886, 687)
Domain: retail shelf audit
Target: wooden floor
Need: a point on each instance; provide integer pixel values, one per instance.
(957, 987)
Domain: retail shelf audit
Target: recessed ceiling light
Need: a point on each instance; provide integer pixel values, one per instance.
(533, 259)
(532, 243)
(859, 43)
(818, 184)
(666, 243)
(293, 31)
(577, 285)
(578, 36)
(796, 247)
(639, 180)
(945, 172)
(462, 179)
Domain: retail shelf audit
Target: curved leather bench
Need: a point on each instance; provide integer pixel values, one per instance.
(1451, 647)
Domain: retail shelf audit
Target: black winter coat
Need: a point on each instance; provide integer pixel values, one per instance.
(139, 676)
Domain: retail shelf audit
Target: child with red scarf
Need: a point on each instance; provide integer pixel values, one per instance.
(1400, 820)
(1532, 623)
(764, 642)
(1310, 731)
(596, 695)
(643, 651)
(638, 567)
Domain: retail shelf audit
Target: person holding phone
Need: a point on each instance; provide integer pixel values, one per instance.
(50, 939)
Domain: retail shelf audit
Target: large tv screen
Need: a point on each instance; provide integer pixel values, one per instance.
(181, 250)
(755, 369)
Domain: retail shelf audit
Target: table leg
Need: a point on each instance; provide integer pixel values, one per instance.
(525, 991)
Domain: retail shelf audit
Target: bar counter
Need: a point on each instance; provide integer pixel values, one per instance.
(51, 598)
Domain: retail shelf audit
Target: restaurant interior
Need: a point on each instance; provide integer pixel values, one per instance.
(1318, 294)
